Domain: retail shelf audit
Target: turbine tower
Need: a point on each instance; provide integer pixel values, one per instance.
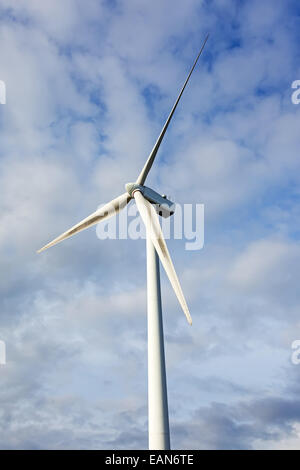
(149, 204)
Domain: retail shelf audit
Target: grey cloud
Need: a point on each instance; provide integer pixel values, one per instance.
(239, 426)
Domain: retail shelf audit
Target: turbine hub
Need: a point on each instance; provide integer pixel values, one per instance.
(163, 206)
(130, 187)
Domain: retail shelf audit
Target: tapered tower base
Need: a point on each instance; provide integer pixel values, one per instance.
(158, 424)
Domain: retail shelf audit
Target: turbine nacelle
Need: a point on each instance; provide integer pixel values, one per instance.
(163, 206)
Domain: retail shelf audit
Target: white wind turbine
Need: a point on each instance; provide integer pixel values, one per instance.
(146, 199)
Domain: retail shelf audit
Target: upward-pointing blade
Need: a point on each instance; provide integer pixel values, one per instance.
(154, 231)
(143, 175)
(110, 209)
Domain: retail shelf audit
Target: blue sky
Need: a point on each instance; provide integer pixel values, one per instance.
(89, 86)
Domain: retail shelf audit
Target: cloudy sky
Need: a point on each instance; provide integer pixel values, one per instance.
(89, 85)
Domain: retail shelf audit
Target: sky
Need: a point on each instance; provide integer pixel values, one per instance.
(88, 88)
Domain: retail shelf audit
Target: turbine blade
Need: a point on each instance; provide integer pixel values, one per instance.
(110, 209)
(154, 231)
(143, 175)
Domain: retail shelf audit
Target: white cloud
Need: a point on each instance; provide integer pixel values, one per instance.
(265, 261)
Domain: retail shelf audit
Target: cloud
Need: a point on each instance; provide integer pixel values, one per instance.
(245, 425)
(268, 266)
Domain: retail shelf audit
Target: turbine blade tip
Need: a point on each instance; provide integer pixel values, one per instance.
(42, 249)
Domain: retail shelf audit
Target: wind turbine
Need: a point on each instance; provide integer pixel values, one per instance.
(146, 199)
